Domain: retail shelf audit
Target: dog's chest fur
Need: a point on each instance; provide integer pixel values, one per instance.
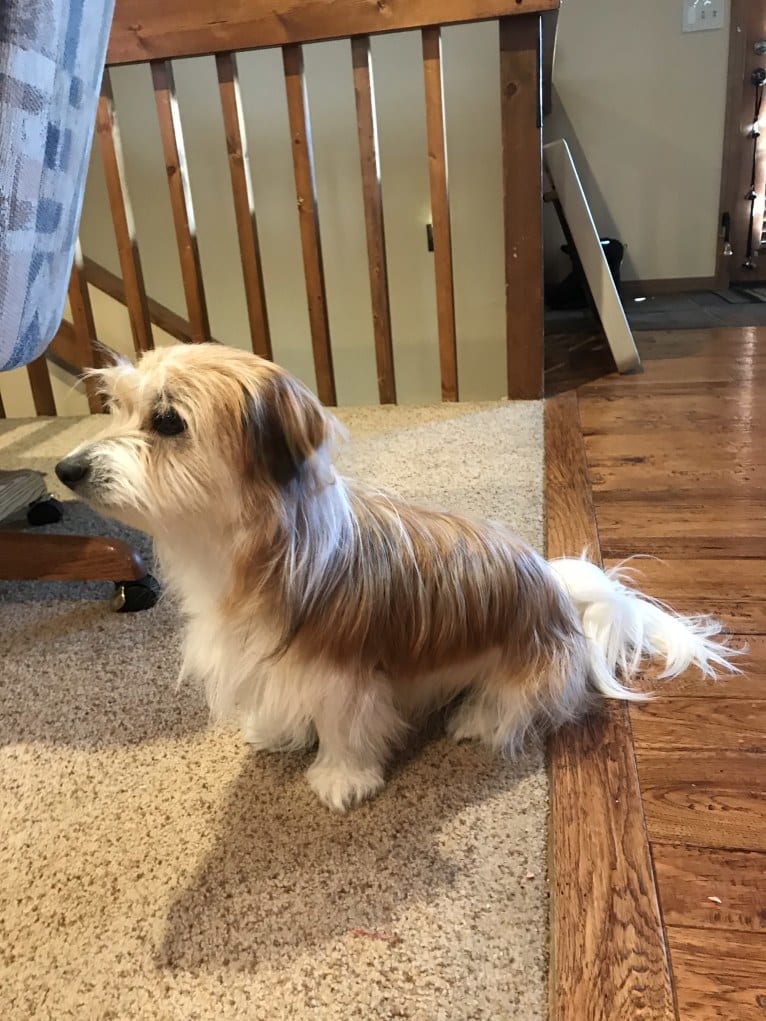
(221, 650)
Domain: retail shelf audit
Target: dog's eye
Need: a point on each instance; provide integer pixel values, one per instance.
(167, 422)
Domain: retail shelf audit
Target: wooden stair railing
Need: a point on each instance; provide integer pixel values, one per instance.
(156, 34)
(160, 315)
(68, 350)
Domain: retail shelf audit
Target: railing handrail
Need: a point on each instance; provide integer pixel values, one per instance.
(144, 30)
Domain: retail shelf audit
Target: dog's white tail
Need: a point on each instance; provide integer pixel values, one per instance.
(623, 627)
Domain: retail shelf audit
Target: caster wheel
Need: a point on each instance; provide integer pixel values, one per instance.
(45, 512)
(133, 596)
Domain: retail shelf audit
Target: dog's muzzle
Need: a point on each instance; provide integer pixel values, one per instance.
(74, 470)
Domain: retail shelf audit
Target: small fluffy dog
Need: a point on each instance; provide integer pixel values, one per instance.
(318, 609)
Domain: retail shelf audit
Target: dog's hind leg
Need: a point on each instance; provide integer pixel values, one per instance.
(499, 718)
(273, 720)
(270, 734)
(357, 723)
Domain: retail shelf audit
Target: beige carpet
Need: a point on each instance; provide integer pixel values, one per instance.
(153, 868)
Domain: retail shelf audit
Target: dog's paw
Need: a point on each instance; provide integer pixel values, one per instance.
(342, 787)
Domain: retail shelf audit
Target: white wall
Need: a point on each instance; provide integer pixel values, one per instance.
(641, 104)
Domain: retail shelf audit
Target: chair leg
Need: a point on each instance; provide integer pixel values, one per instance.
(29, 557)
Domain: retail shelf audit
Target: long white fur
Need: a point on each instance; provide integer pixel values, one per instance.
(625, 628)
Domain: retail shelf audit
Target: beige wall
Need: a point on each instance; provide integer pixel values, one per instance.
(641, 104)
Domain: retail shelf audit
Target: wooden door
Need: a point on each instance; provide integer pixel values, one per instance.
(742, 252)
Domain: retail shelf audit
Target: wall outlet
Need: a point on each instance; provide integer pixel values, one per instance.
(702, 15)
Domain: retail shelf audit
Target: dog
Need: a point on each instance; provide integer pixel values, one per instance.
(322, 611)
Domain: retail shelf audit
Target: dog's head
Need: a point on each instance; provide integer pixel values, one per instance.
(197, 432)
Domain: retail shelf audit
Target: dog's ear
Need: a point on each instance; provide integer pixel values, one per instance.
(284, 425)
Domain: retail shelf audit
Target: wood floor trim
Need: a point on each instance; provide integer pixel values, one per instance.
(609, 958)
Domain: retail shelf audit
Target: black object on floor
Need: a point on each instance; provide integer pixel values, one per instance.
(570, 293)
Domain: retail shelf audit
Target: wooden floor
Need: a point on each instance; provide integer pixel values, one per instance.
(676, 462)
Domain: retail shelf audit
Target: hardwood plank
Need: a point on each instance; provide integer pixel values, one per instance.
(608, 957)
(684, 449)
(697, 724)
(613, 387)
(718, 979)
(144, 30)
(722, 375)
(621, 477)
(244, 203)
(440, 215)
(40, 383)
(27, 556)
(364, 92)
(721, 412)
(521, 114)
(570, 522)
(665, 374)
(113, 161)
(705, 798)
(683, 519)
(749, 685)
(181, 203)
(732, 590)
(743, 500)
(308, 217)
(690, 877)
(572, 361)
(711, 547)
(84, 330)
(690, 358)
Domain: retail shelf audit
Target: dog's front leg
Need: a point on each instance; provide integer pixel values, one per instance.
(356, 723)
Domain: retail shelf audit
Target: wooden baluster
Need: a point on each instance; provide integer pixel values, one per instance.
(162, 317)
(40, 382)
(244, 205)
(373, 216)
(110, 145)
(521, 112)
(440, 217)
(84, 328)
(180, 197)
(305, 188)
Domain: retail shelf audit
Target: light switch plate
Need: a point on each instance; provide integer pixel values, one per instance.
(703, 15)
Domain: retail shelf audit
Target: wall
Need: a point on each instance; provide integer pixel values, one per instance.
(641, 104)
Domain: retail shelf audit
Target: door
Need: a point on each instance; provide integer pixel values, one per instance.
(742, 253)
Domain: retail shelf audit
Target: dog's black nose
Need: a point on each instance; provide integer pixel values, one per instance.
(73, 469)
